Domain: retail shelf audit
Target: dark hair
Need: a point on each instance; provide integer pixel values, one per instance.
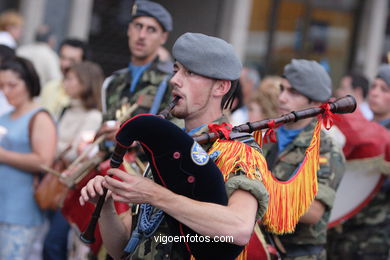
(43, 33)
(90, 76)
(6, 53)
(358, 80)
(26, 72)
(228, 98)
(78, 44)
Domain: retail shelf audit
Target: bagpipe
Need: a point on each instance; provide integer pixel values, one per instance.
(178, 163)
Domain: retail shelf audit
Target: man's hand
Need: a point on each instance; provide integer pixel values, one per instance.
(109, 128)
(91, 191)
(132, 189)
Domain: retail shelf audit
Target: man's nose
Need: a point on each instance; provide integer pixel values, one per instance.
(175, 80)
(282, 96)
(143, 32)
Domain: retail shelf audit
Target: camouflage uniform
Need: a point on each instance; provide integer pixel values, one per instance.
(117, 96)
(307, 242)
(149, 249)
(366, 235)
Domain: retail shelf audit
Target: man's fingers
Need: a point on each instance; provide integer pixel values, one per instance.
(120, 174)
(117, 197)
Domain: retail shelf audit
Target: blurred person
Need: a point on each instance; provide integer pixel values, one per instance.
(379, 97)
(53, 96)
(29, 143)
(11, 27)
(145, 80)
(82, 83)
(263, 103)
(249, 80)
(5, 54)
(357, 85)
(366, 234)
(42, 55)
(305, 84)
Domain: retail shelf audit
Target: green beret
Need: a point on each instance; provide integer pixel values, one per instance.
(384, 73)
(155, 10)
(207, 56)
(309, 78)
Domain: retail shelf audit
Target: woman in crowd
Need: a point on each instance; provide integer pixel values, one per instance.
(28, 142)
(264, 102)
(78, 122)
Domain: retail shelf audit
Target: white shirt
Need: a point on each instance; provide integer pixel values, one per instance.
(366, 111)
(7, 39)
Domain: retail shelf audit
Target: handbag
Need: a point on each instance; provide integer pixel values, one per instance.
(49, 190)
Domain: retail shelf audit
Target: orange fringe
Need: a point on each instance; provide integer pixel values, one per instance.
(288, 200)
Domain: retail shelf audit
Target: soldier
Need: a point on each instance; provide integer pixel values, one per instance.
(205, 76)
(145, 80)
(367, 235)
(305, 84)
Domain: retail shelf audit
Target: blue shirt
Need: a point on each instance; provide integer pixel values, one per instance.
(136, 73)
(17, 203)
(286, 136)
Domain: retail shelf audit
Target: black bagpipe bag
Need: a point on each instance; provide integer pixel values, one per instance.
(178, 164)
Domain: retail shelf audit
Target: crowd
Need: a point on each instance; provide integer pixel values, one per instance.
(54, 106)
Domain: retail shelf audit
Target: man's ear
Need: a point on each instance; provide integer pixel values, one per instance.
(128, 29)
(164, 38)
(222, 87)
(315, 103)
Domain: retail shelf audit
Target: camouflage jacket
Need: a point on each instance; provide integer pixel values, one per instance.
(116, 95)
(283, 165)
(149, 249)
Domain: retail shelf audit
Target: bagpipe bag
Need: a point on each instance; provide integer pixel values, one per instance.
(182, 166)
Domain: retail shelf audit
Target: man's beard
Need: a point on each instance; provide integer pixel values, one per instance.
(179, 114)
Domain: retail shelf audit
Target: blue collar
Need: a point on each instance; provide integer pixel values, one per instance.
(136, 73)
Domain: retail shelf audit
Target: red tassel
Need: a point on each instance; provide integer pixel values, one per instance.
(223, 129)
(327, 116)
(270, 135)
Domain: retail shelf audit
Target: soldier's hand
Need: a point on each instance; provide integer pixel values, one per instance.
(109, 129)
(92, 191)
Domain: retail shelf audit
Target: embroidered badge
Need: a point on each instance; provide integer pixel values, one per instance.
(198, 155)
(215, 155)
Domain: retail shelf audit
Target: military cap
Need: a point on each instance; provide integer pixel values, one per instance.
(207, 56)
(384, 73)
(155, 10)
(309, 78)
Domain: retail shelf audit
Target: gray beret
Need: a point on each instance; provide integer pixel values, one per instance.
(155, 10)
(207, 56)
(309, 78)
(384, 73)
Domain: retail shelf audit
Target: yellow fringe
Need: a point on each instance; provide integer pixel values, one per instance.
(288, 200)
(258, 136)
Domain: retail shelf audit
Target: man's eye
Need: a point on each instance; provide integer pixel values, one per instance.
(151, 30)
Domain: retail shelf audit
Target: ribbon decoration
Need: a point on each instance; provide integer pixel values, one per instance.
(224, 129)
(270, 135)
(327, 116)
